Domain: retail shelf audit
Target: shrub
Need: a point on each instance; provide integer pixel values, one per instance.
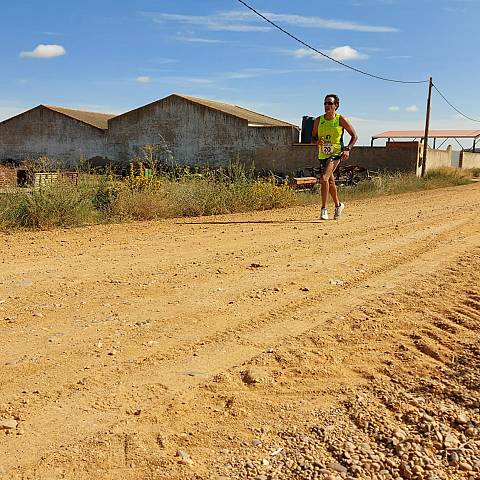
(474, 172)
(105, 192)
(445, 176)
(206, 192)
(60, 204)
(195, 195)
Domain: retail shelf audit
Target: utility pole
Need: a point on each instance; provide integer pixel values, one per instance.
(427, 125)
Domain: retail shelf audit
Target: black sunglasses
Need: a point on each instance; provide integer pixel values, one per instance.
(329, 103)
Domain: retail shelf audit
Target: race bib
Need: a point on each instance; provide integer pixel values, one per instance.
(327, 148)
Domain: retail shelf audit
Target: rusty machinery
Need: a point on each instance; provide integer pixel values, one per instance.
(348, 175)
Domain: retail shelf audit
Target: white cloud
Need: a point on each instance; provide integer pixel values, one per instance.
(212, 22)
(346, 53)
(352, 118)
(412, 108)
(199, 40)
(460, 7)
(247, 73)
(339, 53)
(304, 53)
(143, 79)
(218, 80)
(372, 49)
(394, 109)
(45, 51)
(309, 22)
(241, 21)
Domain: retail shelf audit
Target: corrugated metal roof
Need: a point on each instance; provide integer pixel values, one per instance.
(95, 119)
(431, 134)
(253, 118)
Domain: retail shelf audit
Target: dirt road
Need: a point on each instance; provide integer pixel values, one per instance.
(260, 345)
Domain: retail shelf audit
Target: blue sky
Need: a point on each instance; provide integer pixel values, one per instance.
(113, 56)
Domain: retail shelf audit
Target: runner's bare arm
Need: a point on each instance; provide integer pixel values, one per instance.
(350, 130)
(315, 130)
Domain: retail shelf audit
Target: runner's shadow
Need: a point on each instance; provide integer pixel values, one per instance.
(252, 222)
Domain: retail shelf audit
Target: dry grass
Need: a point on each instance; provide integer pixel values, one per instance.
(474, 172)
(394, 183)
(103, 199)
(196, 197)
(57, 205)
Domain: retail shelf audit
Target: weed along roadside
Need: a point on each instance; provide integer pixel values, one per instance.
(147, 194)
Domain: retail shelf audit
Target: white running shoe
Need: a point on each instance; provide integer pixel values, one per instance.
(324, 214)
(338, 211)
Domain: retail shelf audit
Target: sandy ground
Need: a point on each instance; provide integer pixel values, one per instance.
(199, 348)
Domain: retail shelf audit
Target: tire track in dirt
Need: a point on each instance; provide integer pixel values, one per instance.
(377, 251)
(374, 408)
(389, 259)
(372, 365)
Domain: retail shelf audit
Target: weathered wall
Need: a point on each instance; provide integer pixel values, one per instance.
(8, 176)
(188, 131)
(193, 133)
(469, 160)
(288, 159)
(394, 157)
(435, 159)
(41, 131)
(386, 158)
(272, 136)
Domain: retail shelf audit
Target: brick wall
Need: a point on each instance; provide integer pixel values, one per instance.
(8, 177)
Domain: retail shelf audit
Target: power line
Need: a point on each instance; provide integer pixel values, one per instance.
(324, 54)
(456, 109)
(350, 67)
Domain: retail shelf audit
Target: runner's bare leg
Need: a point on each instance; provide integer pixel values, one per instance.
(328, 183)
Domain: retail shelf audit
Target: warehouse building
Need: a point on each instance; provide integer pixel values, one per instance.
(191, 130)
(60, 133)
(197, 131)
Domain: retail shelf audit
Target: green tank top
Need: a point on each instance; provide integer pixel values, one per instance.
(331, 133)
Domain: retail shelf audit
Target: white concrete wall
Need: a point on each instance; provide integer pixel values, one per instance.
(435, 159)
(469, 160)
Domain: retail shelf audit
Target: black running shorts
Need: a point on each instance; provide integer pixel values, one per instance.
(325, 161)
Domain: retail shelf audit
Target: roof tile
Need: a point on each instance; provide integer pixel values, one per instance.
(431, 134)
(95, 119)
(253, 118)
